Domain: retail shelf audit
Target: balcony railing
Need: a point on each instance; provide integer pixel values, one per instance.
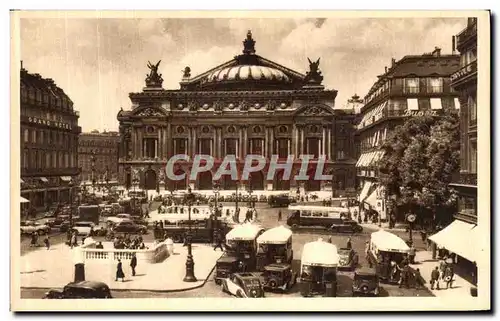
(466, 34)
(464, 73)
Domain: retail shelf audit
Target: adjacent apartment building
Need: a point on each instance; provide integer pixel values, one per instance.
(49, 141)
(412, 86)
(98, 156)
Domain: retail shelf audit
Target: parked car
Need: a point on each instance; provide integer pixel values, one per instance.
(119, 218)
(129, 227)
(83, 228)
(366, 282)
(81, 290)
(243, 285)
(28, 227)
(139, 220)
(279, 276)
(348, 259)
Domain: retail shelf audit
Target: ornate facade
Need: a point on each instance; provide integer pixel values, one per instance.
(98, 156)
(464, 81)
(248, 105)
(413, 86)
(49, 141)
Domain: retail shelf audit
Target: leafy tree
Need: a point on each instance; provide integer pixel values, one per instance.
(421, 156)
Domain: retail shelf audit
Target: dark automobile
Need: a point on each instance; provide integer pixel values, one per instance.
(225, 267)
(81, 290)
(346, 226)
(278, 276)
(366, 282)
(129, 227)
(348, 259)
(278, 201)
(139, 220)
(243, 285)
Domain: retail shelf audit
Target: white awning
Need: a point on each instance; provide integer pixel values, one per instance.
(319, 253)
(372, 199)
(412, 103)
(457, 103)
(22, 182)
(364, 191)
(43, 179)
(66, 178)
(23, 200)
(457, 238)
(436, 104)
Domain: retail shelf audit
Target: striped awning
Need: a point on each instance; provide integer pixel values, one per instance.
(372, 199)
(364, 191)
(436, 104)
(412, 103)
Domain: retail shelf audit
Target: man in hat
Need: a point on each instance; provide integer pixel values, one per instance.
(349, 244)
(133, 263)
(435, 278)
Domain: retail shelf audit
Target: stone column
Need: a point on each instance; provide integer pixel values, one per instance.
(168, 143)
(190, 141)
(134, 143)
(271, 143)
(214, 149)
(219, 142)
(295, 140)
(301, 140)
(141, 143)
(328, 143)
(323, 142)
(194, 142)
(159, 143)
(245, 141)
(240, 142)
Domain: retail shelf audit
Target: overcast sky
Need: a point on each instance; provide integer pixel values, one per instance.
(98, 62)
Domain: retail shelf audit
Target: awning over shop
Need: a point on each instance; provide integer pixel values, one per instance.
(23, 200)
(66, 178)
(372, 199)
(457, 103)
(43, 179)
(412, 103)
(369, 159)
(436, 104)
(22, 182)
(458, 237)
(364, 191)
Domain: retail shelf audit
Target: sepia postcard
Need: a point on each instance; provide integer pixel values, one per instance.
(229, 160)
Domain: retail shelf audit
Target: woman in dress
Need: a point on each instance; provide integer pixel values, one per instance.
(119, 271)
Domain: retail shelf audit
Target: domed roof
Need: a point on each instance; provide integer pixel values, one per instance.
(247, 72)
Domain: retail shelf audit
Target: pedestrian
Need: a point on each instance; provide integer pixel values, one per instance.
(435, 278)
(74, 241)
(119, 271)
(279, 215)
(448, 276)
(367, 254)
(218, 241)
(411, 254)
(349, 244)
(99, 246)
(419, 280)
(46, 242)
(133, 263)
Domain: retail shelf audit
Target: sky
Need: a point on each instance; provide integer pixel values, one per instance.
(98, 62)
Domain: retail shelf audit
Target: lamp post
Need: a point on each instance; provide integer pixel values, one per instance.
(189, 261)
(107, 179)
(70, 184)
(215, 189)
(92, 165)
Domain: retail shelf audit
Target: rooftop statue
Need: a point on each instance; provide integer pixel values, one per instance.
(154, 79)
(314, 74)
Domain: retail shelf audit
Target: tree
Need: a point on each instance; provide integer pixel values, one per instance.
(420, 159)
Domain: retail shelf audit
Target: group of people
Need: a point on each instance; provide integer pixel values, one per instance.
(126, 242)
(444, 272)
(119, 268)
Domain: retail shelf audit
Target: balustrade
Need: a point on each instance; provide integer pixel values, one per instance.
(154, 255)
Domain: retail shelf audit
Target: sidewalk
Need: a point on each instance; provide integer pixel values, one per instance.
(54, 269)
(424, 262)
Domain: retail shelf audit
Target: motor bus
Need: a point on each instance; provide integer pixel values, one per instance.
(338, 219)
(241, 251)
(318, 269)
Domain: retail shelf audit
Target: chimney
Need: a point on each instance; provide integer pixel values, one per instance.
(437, 52)
(385, 69)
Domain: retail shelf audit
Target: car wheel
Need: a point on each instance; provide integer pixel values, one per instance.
(239, 294)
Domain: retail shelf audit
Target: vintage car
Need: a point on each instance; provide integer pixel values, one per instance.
(278, 200)
(119, 218)
(129, 227)
(366, 282)
(83, 228)
(28, 227)
(386, 251)
(348, 259)
(81, 290)
(243, 285)
(278, 277)
(318, 271)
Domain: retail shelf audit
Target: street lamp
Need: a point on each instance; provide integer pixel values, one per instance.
(107, 179)
(189, 261)
(70, 184)
(216, 195)
(92, 164)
